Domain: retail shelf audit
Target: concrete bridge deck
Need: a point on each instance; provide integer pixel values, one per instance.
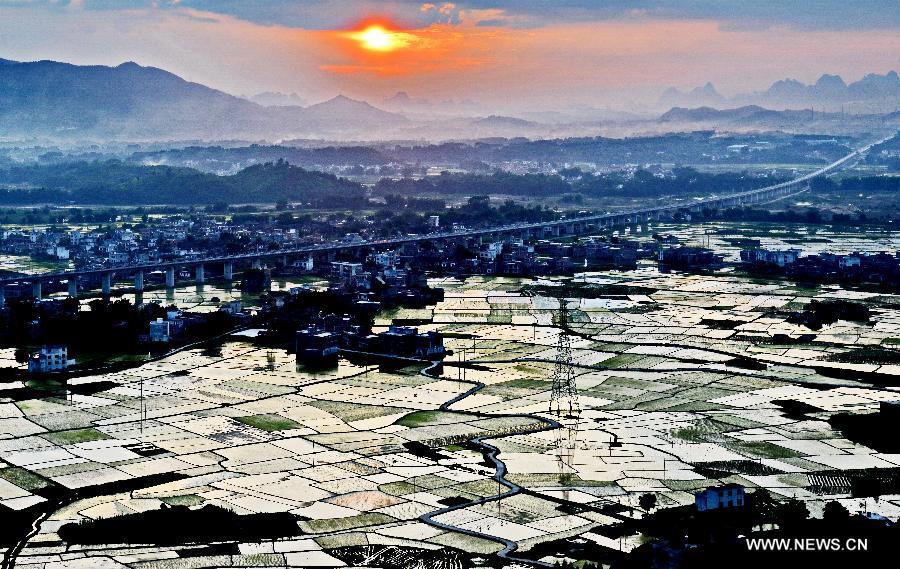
(565, 226)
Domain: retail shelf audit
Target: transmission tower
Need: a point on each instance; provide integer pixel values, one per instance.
(564, 399)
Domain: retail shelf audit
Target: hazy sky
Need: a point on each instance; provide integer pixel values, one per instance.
(534, 52)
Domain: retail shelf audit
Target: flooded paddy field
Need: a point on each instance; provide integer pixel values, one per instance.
(683, 382)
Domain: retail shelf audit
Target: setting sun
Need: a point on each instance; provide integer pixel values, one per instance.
(377, 38)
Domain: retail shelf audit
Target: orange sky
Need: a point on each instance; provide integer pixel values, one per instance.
(562, 63)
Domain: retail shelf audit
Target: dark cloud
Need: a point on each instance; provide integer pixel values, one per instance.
(329, 14)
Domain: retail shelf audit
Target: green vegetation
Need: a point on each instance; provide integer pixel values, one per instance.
(343, 524)
(423, 418)
(524, 383)
(23, 478)
(114, 182)
(399, 488)
(762, 449)
(641, 184)
(622, 360)
(868, 355)
(183, 500)
(701, 431)
(269, 422)
(75, 436)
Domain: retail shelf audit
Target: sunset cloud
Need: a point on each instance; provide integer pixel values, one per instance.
(496, 52)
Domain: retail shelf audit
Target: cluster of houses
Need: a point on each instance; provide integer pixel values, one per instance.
(687, 257)
(320, 344)
(170, 238)
(515, 257)
(879, 268)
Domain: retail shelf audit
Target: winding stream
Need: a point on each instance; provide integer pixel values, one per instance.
(490, 453)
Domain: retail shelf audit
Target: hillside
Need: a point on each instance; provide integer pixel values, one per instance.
(131, 102)
(114, 182)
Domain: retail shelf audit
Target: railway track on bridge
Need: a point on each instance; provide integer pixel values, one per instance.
(572, 225)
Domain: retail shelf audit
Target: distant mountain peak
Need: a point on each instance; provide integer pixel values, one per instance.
(278, 99)
(342, 101)
(830, 81)
(400, 97)
(705, 95)
(504, 121)
(402, 100)
(351, 109)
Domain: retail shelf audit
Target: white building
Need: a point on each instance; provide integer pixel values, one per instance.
(718, 497)
(343, 269)
(304, 264)
(50, 359)
(160, 330)
(490, 252)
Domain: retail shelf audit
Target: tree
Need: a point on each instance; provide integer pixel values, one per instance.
(791, 513)
(647, 501)
(22, 355)
(835, 513)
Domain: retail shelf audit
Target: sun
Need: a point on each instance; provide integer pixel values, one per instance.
(379, 38)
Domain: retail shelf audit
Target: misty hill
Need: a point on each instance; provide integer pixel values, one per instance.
(402, 101)
(275, 99)
(754, 117)
(341, 109)
(114, 182)
(872, 93)
(504, 122)
(700, 96)
(48, 98)
(749, 115)
(227, 160)
(832, 90)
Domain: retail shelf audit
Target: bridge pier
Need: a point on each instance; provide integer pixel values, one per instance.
(139, 281)
(200, 274)
(256, 264)
(73, 287)
(36, 289)
(170, 277)
(228, 271)
(2, 296)
(106, 283)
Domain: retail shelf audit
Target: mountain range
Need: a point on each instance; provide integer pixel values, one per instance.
(754, 118)
(276, 99)
(50, 101)
(48, 98)
(872, 93)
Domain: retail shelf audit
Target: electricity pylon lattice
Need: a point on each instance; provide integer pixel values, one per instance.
(564, 397)
(564, 400)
